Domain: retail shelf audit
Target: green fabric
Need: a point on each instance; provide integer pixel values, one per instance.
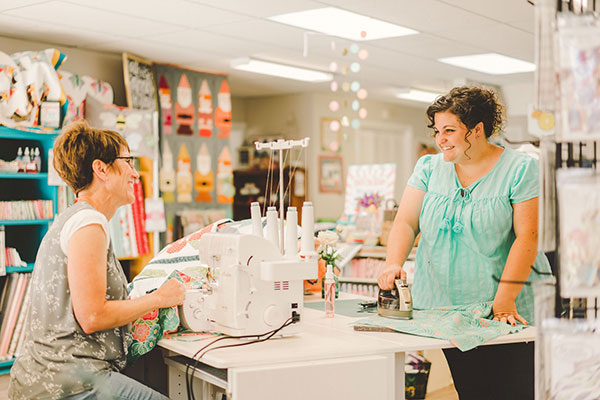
(348, 308)
(467, 233)
(466, 327)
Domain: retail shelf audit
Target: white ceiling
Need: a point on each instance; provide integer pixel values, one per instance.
(207, 35)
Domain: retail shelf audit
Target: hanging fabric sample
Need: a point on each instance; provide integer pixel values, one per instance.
(579, 56)
(184, 176)
(205, 111)
(225, 188)
(167, 174)
(184, 108)
(77, 88)
(572, 350)
(204, 181)
(166, 105)
(223, 111)
(579, 217)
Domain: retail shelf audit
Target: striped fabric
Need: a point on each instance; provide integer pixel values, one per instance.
(467, 233)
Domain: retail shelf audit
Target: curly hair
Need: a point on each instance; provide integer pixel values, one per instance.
(78, 146)
(472, 105)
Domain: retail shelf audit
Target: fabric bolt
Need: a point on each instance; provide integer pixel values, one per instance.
(467, 232)
(58, 358)
(466, 327)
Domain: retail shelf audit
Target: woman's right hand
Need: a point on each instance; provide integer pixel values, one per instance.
(386, 279)
(171, 293)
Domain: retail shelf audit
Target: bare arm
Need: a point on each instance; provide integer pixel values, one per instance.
(521, 256)
(402, 236)
(86, 267)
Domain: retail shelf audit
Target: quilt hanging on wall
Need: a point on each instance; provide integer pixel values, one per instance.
(195, 121)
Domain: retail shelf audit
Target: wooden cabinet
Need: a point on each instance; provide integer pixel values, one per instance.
(254, 184)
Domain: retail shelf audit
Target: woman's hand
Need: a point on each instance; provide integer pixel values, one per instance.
(506, 311)
(171, 293)
(389, 275)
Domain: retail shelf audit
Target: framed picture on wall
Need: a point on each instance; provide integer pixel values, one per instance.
(331, 174)
(139, 83)
(331, 135)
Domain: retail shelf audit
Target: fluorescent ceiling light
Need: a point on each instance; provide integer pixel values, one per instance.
(490, 63)
(345, 24)
(418, 95)
(281, 70)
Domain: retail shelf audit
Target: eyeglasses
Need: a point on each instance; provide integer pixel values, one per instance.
(128, 160)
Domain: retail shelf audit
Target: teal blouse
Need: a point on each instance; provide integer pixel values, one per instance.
(467, 233)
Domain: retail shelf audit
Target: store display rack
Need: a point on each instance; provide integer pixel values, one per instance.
(25, 235)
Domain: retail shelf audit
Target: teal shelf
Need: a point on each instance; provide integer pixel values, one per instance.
(25, 221)
(23, 175)
(5, 366)
(28, 268)
(27, 134)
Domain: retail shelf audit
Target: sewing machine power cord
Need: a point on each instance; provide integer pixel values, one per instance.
(189, 369)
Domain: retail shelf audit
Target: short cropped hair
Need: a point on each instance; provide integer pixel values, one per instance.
(78, 146)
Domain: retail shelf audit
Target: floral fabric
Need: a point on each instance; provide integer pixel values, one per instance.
(466, 327)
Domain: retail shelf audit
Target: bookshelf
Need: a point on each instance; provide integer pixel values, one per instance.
(26, 234)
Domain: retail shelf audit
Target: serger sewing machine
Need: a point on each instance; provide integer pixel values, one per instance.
(255, 283)
(252, 287)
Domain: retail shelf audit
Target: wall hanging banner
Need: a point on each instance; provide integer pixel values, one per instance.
(195, 121)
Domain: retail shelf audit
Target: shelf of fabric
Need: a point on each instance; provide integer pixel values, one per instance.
(23, 134)
(23, 175)
(5, 366)
(351, 279)
(25, 221)
(28, 268)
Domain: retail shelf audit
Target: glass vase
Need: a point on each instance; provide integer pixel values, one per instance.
(337, 283)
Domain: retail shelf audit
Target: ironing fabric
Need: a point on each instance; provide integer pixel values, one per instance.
(475, 206)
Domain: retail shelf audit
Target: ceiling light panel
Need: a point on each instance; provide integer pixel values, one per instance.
(281, 70)
(345, 24)
(422, 96)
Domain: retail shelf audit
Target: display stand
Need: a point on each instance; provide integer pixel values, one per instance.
(25, 234)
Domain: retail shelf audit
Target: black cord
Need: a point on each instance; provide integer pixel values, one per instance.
(189, 380)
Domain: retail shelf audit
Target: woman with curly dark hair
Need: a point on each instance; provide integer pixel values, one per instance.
(476, 207)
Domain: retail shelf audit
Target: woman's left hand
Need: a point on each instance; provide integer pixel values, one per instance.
(506, 311)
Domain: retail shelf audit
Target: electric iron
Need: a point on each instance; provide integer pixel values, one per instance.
(395, 303)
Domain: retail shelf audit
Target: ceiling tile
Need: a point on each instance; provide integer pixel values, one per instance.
(263, 31)
(177, 12)
(49, 33)
(203, 41)
(88, 19)
(504, 11)
(12, 4)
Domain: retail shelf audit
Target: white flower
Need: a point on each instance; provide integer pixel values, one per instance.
(327, 238)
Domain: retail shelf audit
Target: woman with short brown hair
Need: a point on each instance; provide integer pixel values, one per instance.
(77, 324)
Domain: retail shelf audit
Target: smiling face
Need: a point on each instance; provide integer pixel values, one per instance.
(124, 177)
(450, 135)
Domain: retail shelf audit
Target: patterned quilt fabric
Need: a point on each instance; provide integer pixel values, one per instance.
(180, 260)
(466, 327)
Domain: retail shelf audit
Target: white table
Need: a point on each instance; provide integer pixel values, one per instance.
(328, 360)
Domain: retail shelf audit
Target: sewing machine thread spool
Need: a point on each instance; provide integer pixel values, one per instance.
(272, 231)
(291, 233)
(256, 219)
(307, 243)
